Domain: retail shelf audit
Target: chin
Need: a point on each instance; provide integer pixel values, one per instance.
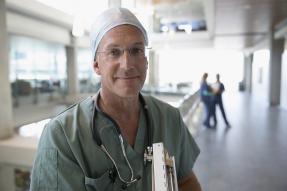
(128, 92)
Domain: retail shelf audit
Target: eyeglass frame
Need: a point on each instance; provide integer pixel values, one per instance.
(122, 50)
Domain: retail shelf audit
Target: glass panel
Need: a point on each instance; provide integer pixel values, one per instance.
(37, 70)
(89, 80)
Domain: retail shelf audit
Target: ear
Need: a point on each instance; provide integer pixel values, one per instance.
(96, 67)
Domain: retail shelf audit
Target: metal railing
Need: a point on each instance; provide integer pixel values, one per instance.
(191, 111)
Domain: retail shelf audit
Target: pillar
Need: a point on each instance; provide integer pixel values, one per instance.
(153, 23)
(276, 50)
(72, 69)
(247, 79)
(6, 121)
(153, 69)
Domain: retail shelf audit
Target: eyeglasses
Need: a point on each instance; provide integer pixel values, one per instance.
(113, 54)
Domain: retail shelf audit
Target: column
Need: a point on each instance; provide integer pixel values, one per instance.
(247, 79)
(6, 121)
(72, 69)
(153, 78)
(276, 50)
(153, 24)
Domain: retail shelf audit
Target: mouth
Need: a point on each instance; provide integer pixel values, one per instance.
(126, 77)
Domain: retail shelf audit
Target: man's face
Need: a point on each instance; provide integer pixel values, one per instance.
(121, 62)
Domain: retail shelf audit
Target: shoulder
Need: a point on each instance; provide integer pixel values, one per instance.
(75, 116)
(157, 105)
(163, 115)
(76, 110)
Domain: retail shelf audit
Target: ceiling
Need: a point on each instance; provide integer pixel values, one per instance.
(172, 10)
(232, 23)
(237, 24)
(246, 22)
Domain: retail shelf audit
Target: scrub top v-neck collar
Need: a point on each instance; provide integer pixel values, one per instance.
(140, 141)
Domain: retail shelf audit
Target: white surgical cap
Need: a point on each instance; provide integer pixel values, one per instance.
(109, 19)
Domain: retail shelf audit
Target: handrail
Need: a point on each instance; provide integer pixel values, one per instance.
(190, 111)
(189, 103)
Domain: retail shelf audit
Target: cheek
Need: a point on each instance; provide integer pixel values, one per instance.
(143, 71)
(145, 66)
(101, 67)
(107, 70)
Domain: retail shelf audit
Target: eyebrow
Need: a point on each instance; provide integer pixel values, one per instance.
(139, 43)
(116, 45)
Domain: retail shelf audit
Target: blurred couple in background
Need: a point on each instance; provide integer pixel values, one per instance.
(211, 96)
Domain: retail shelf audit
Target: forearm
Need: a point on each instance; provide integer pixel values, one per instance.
(190, 187)
(190, 184)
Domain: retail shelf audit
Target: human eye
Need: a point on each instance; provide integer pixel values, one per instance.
(114, 52)
(136, 51)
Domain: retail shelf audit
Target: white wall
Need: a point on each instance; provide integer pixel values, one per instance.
(188, 65)
(260, 69)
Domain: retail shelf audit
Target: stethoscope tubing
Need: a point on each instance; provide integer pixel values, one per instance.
(98, 140)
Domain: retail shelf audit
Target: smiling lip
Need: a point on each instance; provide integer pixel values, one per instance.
(127, 77)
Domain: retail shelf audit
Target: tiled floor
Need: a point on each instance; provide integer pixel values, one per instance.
(249, 156)
(27, 112)
(34, 113)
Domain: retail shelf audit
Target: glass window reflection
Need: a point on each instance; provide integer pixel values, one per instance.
(89, 80)
(37, 70)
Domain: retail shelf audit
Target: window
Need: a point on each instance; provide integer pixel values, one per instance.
(37, 70)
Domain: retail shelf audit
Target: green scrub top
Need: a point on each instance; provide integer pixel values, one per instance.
(69, 159)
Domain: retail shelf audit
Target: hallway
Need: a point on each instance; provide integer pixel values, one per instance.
(251, 155)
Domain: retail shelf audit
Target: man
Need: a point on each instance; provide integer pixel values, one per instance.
(219, 89)
(207, 97)
(99, 143)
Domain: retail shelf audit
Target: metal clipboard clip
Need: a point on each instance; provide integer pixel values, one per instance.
(163, 168)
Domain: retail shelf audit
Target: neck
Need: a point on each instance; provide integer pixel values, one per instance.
(113, 104)
(125, 111)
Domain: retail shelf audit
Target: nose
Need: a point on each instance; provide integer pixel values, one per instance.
(126, 60)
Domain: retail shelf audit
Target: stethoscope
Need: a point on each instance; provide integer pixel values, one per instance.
(97, 139)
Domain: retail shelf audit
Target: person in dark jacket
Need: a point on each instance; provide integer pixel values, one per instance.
(207, 97)
(218, 89)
